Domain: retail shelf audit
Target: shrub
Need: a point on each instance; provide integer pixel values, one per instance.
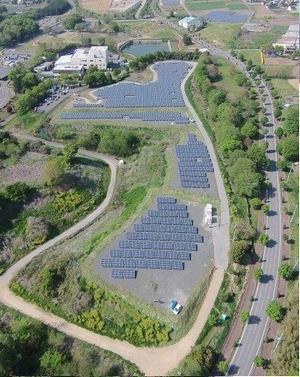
(17, 192)
(285, 271)
(258, 274)
(266, 209)
(223, 367)
(263, 239)
(260, 362)
(245, 315)
(255, 203)
(67, 201)
(275, 311)
(239, 251)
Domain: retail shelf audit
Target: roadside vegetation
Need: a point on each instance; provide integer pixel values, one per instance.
(56, 191)
(42, 350)
(233, 120)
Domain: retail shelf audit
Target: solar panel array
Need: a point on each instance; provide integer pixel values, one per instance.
(145, 116)
(164, 241)
(171, 2)
(164, 92)
(194, 163)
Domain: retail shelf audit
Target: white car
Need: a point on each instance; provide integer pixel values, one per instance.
(177, 309)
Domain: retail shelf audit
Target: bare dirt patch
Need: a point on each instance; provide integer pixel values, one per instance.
(294, 83)
(29, 169)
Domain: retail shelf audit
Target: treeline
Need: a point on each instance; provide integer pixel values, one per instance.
(234, 125)
(28, 347)
(33, 97)
(15, 28)
(143, 61)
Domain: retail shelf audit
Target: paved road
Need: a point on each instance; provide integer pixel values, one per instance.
(254, 332)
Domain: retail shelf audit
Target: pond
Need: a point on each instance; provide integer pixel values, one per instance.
(139, 48)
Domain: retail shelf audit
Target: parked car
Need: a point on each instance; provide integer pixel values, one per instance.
(175, 307)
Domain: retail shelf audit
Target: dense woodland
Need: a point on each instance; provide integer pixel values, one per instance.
(15, 28)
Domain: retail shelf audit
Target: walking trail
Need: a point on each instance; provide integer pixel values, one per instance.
(151, 361)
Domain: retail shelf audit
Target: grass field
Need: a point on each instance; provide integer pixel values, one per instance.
(279, 71)
(284, 88)
(265, 39)
(253, 54)
(220, 34)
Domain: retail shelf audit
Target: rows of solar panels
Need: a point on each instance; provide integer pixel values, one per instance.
(164, 92)
(194, 163)
(170, 2)
(145, 116)
(164, 239)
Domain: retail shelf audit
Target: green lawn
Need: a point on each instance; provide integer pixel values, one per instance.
(265, 39)
(253, 54)
(221, 34)
(236, 6)
(284, 88)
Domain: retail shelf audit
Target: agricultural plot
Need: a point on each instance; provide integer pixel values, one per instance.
(162, 255)
(107, 5)
(227, 16)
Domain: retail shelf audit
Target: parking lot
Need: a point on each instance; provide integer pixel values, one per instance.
(56, 96)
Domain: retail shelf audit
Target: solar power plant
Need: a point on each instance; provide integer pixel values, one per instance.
(164, 239)
(145, 116)
(164, 92)
(226, 16)
(170, 2)
(193, 163)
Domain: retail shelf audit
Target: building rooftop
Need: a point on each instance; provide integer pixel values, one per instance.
(188, 19)
(64, 59)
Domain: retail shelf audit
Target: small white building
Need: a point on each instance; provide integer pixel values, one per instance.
(290, 40)
(208, 214)
(191, 22)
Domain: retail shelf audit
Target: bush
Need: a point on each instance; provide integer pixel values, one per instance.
(266, 209)
(239, 251)
(263, 239)
(67, 201)
(223, 367)
(285, 271)
(17, 192)
(258, 273)
(245, 315)
(275, 311)
(255, 203)
(260, 362)
(279, 132)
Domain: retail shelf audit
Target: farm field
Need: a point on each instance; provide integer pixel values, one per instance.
(99, 6)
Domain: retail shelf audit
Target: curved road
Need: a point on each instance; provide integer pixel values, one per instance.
(152, 361)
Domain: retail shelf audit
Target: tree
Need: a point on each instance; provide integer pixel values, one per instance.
(223, 367)
(17, 192)
(246, 181)
(245, 315)
(187, 40)
(255, 203)
(258, 274)
(250, 129)
(249, 64)
(95, 77)
(283, 165)
(55, 170)
(72, 20)
(241, 57)
(291, 120)
(279, 132)
(289, 148)
(204, 357)
(285, 271)
(70, 151)
(257, 154)
(51, 362)
(263, 239)
(275, 311)
(213, 318)
(115, 27)
(239, 251)
(243, 231)
(260, 362)
(266, 209)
